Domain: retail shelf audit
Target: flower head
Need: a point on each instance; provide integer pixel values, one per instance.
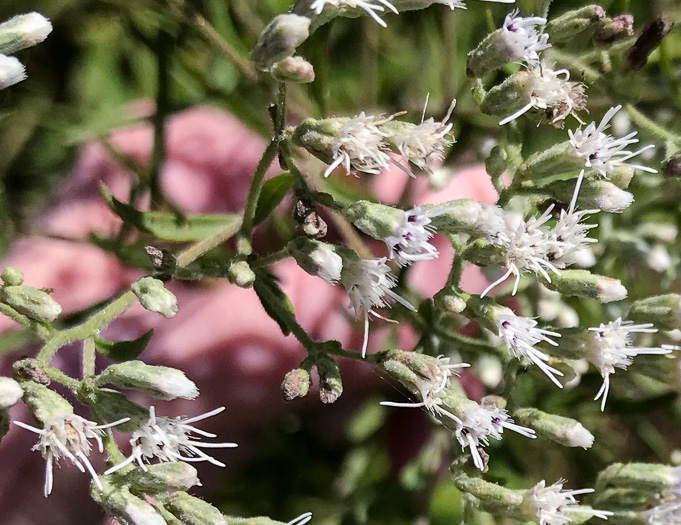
(521, 335)
(171, 439)
(369, 285)
(479, 423)
(521, 40)
(603, 152)
(552, 93)
(668, 510)
(610, 348)
(549, 504)
(360, 146)
(424, 144)
(432, 386)
(371, 9)
(68, 436)
(409, 241)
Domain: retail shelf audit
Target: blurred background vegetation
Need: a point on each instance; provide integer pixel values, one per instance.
(105, 55)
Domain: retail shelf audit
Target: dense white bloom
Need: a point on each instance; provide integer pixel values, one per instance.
(431, 389)
(603, 152)
(520, 38)
(551, 92)
(171, 439)
(478, 424)
(11, 71)
(301, 520)
(424, 145)
(371, 9)
(521, 335)
(569, 234)
(409, 241)
(549, 504)
(369, 285)
(610, 348)
(68, 436)
(668, 510)
(360, 146)
(527, 248)
(328, 263)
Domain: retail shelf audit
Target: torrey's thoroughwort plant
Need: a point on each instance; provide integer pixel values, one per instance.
(578, 253)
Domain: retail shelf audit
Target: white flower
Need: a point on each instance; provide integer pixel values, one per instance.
(552, 93)
(360, 146)
(521, 335)
(527, 247)
(424, 145)
(409, 241)
(521, 40)
(549, 504)
(301, 520)
(478, 424)
(668, 510)
(368, 284)
(431, 389)
(68, 436)
(569, 234)
(328, 263)
(603, 152)
(171, 439)
(371, 9)
(610, 348)
(10, 392)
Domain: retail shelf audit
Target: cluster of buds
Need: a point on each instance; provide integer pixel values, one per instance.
(16, 34)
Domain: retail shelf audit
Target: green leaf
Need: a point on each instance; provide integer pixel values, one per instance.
(274, 300)
(123, 350)
(273, 192)
(168, 226)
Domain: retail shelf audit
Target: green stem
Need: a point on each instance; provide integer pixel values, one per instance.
(196, 250)
(114, 453)
(256, 187)
(89, 358)
(86, 329)
(158, 154)
(60, 377)
(644, 122)
(271, 258)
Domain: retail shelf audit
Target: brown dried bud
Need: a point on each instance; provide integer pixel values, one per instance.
(296, 384)
(28, 369)
(312, 224)
(651, 37)
(672, 168)
(330, 384)
(163, 260)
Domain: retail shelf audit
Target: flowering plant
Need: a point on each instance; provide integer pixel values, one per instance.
(577, 250)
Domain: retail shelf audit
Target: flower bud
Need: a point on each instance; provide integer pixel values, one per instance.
(160, 382)
(582, 283)
(305, 213)
(192, 511)
(110, 405)
(649, 477)
(23, 31)
(155, 297)
(567, 26)
(280, 39)
(330, 384)
(127, 508)
(10, 392)
(651, 37)
(11, 71)
(12, 277)
(496, 162)
(493, 498)
(663, 310)
(376, 220)
(296, 384)
(472, 217)
(241, 274)
(672, 167)
(610, 30)
(163, 477)
(293, 69)
(45, 404)
(563, 430)
(33, 303)
(593, 194)
(557, 159)
(318, 258)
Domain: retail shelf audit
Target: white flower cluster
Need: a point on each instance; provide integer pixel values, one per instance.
(531, 246)
(550, 504)
(521, 40)
(166, 439)
(602, 152)
(668, 510)
(409, 242)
